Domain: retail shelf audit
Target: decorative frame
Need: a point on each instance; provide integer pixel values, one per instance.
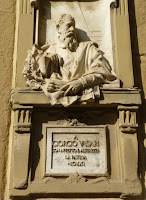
(125, 100)
(49, 131)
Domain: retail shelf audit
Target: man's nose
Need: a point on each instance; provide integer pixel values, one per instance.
(71, 28)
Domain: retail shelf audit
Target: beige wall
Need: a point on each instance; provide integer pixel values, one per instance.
(7, 26)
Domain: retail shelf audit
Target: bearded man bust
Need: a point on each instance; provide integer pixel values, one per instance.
(68, 71)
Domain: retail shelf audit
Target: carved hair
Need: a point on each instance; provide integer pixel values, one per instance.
(61, 19)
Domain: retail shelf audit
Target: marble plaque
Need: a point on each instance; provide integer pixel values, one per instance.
(76, 149)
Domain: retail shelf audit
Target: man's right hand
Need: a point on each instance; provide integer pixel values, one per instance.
(55, 85)
(72, 88)
(52, 87)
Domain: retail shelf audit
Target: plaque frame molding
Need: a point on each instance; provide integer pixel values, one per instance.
(46, 126)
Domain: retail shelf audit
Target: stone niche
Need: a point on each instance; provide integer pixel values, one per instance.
(74, 132)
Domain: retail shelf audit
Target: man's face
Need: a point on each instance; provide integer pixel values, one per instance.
(67, 28)
(67, 34)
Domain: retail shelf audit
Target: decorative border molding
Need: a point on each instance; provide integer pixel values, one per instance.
(25, 7)
(122, 7)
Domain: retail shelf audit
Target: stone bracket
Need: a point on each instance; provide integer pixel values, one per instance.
(129, 128)
(129, 144)
(127, 119)
(22, 119)
(21, 145)
(22, 128)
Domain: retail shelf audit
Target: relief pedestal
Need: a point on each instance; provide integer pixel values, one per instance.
(119, 176)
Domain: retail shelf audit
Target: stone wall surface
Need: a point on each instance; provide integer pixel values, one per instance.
(7, 28)
(140, 54)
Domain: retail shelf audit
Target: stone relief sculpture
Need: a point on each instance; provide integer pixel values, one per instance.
(68, 71)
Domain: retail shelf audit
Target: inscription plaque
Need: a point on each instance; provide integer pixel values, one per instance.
(76, 149)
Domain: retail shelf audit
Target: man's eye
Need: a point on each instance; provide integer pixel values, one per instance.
(69, 25)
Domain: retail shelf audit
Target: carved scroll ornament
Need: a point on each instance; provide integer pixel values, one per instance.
(34, 3)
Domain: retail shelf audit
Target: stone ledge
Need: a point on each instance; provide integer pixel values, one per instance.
(103, 189)
(109, 97)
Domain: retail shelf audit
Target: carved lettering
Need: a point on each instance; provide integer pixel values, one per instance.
(79, 157)
(76, 152)
(65, 144)
(77, 164)
(73, 150)
(76, 143)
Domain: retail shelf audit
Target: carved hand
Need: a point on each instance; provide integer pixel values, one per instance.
(44, 62)
(55, 85)
(55, 58)
(72, 88)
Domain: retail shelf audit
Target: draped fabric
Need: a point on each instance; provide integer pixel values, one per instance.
(88, 65)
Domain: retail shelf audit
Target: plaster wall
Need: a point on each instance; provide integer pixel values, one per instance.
(7, 28)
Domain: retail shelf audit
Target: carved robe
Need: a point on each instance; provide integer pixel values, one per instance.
(88, 65)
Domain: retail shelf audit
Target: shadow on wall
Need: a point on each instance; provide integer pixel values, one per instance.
(138, 83)
(45, 14)
(82, 35)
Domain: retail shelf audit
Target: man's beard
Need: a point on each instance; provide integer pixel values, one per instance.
(68, 40)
